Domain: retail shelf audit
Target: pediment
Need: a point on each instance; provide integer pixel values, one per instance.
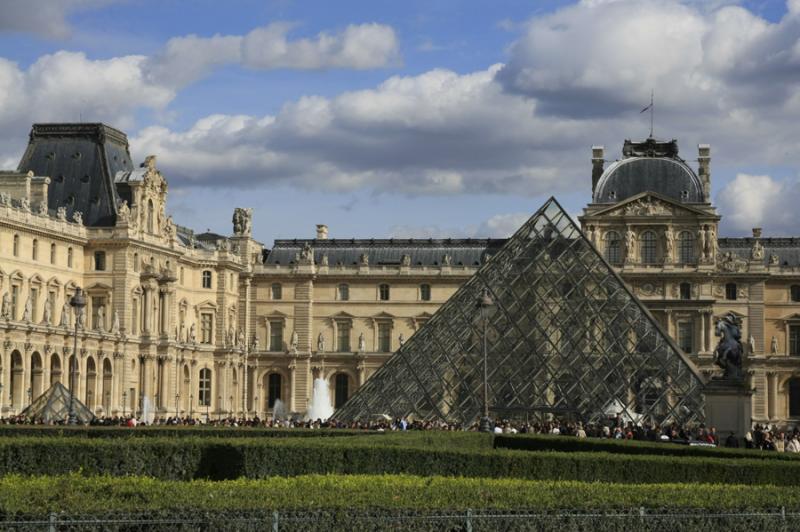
(650, 204)
(343, 315)
(207, 304)
(384, 315)
(795, 316)
(277, 314)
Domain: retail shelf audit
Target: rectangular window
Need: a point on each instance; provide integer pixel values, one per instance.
(276, 335)
(206, 324)
(204, 387)
(730, 291)
(34, 303)
(383, 292)
(343, 336)
(686, 336)
(385, 337)
(425, 292)
(207, 279)
(794, 340)
(100, 261)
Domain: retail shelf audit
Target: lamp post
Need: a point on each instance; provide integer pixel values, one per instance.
(219, 407)
(77, 302)
(486, 306)
(191, 406)
(177, 396)
(124, 404)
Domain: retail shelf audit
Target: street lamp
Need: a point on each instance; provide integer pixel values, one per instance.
(191, 406)
(486, 306)
(77, 302)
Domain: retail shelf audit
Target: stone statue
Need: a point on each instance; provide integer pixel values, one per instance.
(401, 339)
(79, 318)
(6, 307)
(240, 339)
(61, 214)
(324, 261)
(590, 234)
(774, 346)
(25, 204)
(751, 342)
(230, 339)
(115, 324)
(169, 229)
(307, 254)
(729, 353)
(321, 343)
(65, 311)
(757, 253)
(77, 217)
(46, 314)
(42, 210)
(362, 343)
(711, 243)
(28, 310)
(630, 242)
(242, 221)
(5, 199)
(294, 343)
(774, 260)
(405, 260)
(701, 240)
(254, 343)
(668, 244)
(101, 318)
(447, 260)
(363, 260)
(193, 334)
(124, 212)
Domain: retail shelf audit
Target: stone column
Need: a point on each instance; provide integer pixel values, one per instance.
(711, 327)
(116, 386)
(362, 372)
(772, 394)
(670, 326)
(5, 379)
(702, 347)
(146, 308)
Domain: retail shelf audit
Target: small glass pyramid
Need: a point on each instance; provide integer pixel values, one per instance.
(565, 339)
(53, 407)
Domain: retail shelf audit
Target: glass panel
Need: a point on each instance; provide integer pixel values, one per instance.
(276, 335)
(384, 337)
(564, 338)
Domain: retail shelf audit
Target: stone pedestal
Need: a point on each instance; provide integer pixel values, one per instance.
(728, 407)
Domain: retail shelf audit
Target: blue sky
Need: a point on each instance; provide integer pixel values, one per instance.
(414, 118)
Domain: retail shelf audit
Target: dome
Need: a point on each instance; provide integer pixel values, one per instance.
(670, 177)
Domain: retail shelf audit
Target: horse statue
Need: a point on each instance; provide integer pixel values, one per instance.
(729, 351)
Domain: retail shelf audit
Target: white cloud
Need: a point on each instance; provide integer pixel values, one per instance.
(363, 46)
(760, 201)
(44, 17)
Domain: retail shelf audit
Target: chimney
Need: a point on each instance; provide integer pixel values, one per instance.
(756, 232)
(704, 169)
(322, 232)
(597, 165)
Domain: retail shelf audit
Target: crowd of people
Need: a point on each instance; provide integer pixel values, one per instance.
(761, 437)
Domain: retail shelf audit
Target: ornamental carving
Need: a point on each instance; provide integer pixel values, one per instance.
(649, 289)
(242, 221)
(732, 263)
(647, 206)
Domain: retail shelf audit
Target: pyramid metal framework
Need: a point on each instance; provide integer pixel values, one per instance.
(53, 407)
(565, 339)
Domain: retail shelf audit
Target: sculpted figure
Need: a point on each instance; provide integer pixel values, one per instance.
(80, 318)
(308, 252)
(124, 211)
(46, 314)
(77, 217)
(668, 242)
(757, 253)
(101, 319)
(241, 340)
(362, 343)
(65, 311)
(61, 214)
(401, 339)
(42, 211)
(25, 204)
(115, 323)
(294, 342)
(26, 312)
(193, 334)
(6, 307)
(711, 244)
(321, 343)
(406, 260)
(363, 259)
(774, 346)
(729, 353)
(630, 241)
(774, 260)
(701, 240)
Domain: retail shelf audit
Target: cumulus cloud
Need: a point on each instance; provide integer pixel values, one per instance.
(760, 201)
(358, 46)
(436, 133)
(44, 17)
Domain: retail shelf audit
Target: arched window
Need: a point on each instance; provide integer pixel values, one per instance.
(206, 278)
(204, 387)
(35, 249)
(730, 291)
(425, 292)
(794, 292)
(69, 257)
(150, 216)
(344, 292)
(613, 248)
(648, 247)
(794, 397)
(686, 291)
(52, 253)
(383, 292)
(16, 245)
(277, 291)
(342, 389)
(685, 247)
(274, 385)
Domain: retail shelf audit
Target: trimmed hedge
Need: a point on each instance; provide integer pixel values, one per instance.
(218, 459)
(527, 442)
(91, 495)
(171, 431)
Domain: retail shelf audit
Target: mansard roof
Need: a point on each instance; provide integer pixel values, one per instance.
(787, 249)
(649, 165)
(422, 252)
(82, 161)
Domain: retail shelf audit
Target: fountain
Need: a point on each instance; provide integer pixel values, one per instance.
(320, 405)
(278, 410)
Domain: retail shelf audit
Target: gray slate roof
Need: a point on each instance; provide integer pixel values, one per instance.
(82, 161)
(423, 252)
(786, 248)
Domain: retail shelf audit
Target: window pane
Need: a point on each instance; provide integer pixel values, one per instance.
(343, 337)
(344, 292)
(730, 291)
(276, 335)
(613, 255)
(794, 340)
(277, 291)
(685, 340)
(384, 292)
(384, 337)
(648, 251)
(425, 292)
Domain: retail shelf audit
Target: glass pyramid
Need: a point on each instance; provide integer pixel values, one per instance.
(53, 407)
(565, 339)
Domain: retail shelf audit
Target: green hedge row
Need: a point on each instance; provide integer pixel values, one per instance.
(217, 459)
(571, 444)
(91, 495)
(171, 431)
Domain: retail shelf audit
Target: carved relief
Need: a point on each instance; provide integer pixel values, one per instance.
(732, 263)
(242, 221)
(646, 206)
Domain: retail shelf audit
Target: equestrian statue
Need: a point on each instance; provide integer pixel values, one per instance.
(729, 352)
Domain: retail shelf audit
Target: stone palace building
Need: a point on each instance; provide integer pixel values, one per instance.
(201, 324)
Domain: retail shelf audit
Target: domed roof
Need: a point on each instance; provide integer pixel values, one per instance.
(658, 171)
